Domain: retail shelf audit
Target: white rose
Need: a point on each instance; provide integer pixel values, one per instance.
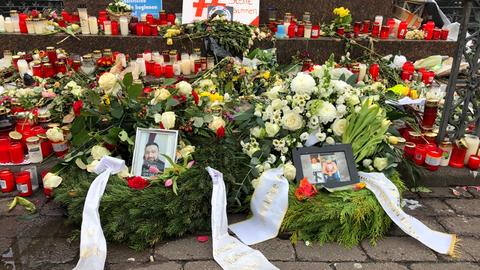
(273, 93)
(216, 123)
(107, 82)
(327, 112)
(277, 104)
(366, 162)
(99, 151)
(55, 134)
(380, 163)
(157, 118)
(339, 127)
(292, 121)
(352, 100)
(257, 132)
(303, 83)
(168, 120)
(271, 129)
(329, 140)
(77, 91)
(289, 171)
(187, 151)
(51, 180)
(160, 95)
(184, 88)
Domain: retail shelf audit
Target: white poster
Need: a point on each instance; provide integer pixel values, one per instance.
(244, 11)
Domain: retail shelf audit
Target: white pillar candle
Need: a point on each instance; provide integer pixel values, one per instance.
(2, 24)
(107, 28)
(16, 22)
(177, 69)
(472, 146)
(39, 27)
(135, 69)
(142, 67)
(379, 19)
(184, 56)
(363, 71)
(123, 59)
(123, 26)
(30, 26)
(22, 67)
(147, 57)
(83, 15)
(93, 25)
(185, 66)
(9, 25)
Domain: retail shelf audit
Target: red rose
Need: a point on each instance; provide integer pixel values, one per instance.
(220, 132)
(196, 97)
(305, 190)
(147, 90)
(137, 182)
(77, 107)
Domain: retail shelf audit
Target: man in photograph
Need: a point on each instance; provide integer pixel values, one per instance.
(330, 170)
(152, 165)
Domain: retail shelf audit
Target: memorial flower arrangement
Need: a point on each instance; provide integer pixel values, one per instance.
(119, 6)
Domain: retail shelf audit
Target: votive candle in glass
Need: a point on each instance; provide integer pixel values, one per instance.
(385, 32)
(154, 30)
(16, 153)
(9, 28)
(402, 30)
(432, 160)
(185, 67)
(472, 142)
(24, 183)
(107, 28)
(30, 26)
(366, 27)
(115, 28)
(139, 29)
(376, 30)
(7, 180)
(444, 34)
(474, 162)
(2, 24)
(356, 28)
(4, 152)
(308, 30)
(430, 113)
(169, 71)
(457, 159)
(420, 154)
(177, 69)
(147, 30)
(123, 26)
(157, 70)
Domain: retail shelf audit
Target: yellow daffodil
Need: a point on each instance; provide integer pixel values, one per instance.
(341, 11)
(213, 97)
(400, 89)
(266, 75)
(106, 100)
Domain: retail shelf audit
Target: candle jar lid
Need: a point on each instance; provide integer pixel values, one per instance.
(15, 135)
(47, 65)
(33, 140)
(401, 140)
(461, 143)
(50, 48)
(107, 50)
(432, 102)
(87, 56)
(196, 50)
(16, 57)
(4, 110)
(414, 134)
(42, 136)
(431, 135)
(97, 52)
(66, 128)
(446, 144)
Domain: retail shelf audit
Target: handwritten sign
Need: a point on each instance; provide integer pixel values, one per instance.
(145, 6)
(244, 11)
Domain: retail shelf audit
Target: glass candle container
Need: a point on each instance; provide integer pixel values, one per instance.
(376, 30)
(14, 16)
(48, 70)
(169, 71)
(430, 112)
(341, 31)
(203, 61)
(433, 159)
(185, 67)
(198, 66)
(420, 154)
(437, 34)
(172, 55)
(4, 152)
(357, 27)
(157, 70)
(385, 32)
(473, 162)
(306, 17)
(292, 28)
(52, 54)
(2, 24)
(7, 57)
(281, 31)
(24, 183)
(139, 29)
(308, 30)
(60, 67)
(166, 56)
(446, 148)
(147, 30)
(107, 28)
(459, 150)
(34, 150)
(472, 142)
(374, 71)
(210, 62)
(16, 153)
(93, 25)
(45, 145)
(444, 34)
(300, 30)
(154, 30)
(366, 27)
(123, 26)
(88, 64)
(402, 30)
(7, 181)
(83, 15)
(30, 26)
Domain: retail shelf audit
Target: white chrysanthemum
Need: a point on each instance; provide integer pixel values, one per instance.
(303, 84)
(184, 88)
(304, 136)
(341, 110)
(321, 136)
(99, 151)
(289, 171)
(340, 87)
(327, 112)
(329, 140)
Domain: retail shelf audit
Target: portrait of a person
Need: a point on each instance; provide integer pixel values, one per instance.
(316, 169)
(330, 170)
(152, 165)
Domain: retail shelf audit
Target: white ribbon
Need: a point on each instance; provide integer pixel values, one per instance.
(229, 252)
(389, 198)
(269, 205)
(93, 247)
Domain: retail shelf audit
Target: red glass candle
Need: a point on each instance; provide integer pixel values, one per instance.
(115, 28)
(458, 155)
(16, 153)
(52, 55)
(444, 34)
(366, 27)
(356, 28)
(315, 31)
(430, 113)
(437, 34)
(154, 30)
(376, 30)
(374, 71)
(432, 160)
(291, 30)
(402, 30)
(139, 29)
(409, 150)
(66, 16)
(420, 154)
(341, 31)
(169, 71)
(147, 30)
(149, 18)
(4, 152)
(24, 183)
(150, 67)
(171, 18)
(385, 32)
(474, 162)
(48, 70)
(23, 22)
(7, 181)
(60, 67)
(197, 66)
(37, 70)
(428, 28)
(157, 70)
(300, 30)
(45, 145)
(163, 17)
(76, 65)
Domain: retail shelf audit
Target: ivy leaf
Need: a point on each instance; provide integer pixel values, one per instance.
(352, 80)
(128, 79)
(134, 91)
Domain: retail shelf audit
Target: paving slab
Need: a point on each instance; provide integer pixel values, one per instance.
(370, 266)
(469, 207)
(329, 252)
(398, 249)
(276, 250)
(202, 265)
(442, 192)
(149, 266)
(185, 249)
(429, 221)
(36, 252)
(474, 192)
(461, 225)
(121, 254)
(444, 266)
(471, 246)
(430, 207)
(302, 266)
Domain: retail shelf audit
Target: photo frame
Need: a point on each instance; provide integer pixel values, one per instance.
(331, 166)
(150, 146)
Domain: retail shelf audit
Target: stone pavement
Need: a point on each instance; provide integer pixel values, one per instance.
(42, 241)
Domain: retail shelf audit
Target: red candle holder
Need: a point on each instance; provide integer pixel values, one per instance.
(420, 154)
(115, 28)
(60, 67)
(139, 29)
(24, 183)
(376, 30)
(4, 153)
(315, 31)
(474, 162)
(37, 70)
(430, 113)
(291, 30)
(154, 30)
(157, 70)
(149, 18)
(409, 150)
(366, 27)
(147, 30)
(341, 31)
(15, 151)
(171, 18)
(458, 155)
(48, 70)
(432, 160)
(402, 30)
(357, 28)
(444, 34)
(301, 30)
(45, 145)
(437, 34)
(7, 181)
(374, 71)
(169, 71)
(385, 32)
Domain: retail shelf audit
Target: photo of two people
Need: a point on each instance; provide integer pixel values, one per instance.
(325, 168)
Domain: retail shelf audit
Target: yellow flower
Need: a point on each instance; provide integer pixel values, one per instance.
(266, 75)
(106, 100)
(212, 97)
(169, 42)
(341, 11)
(413, 94)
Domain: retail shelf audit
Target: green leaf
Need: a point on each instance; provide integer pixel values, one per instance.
(134, 91)
(171, 102)
(78, 125)
(208, 118)
(128, 79)
(80, 138)
(352, 80)
(169, 82)
(228, 87)
(198, 122)
(117, 110)
(244, 115)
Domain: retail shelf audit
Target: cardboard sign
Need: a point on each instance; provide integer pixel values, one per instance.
(244, 11)
(144, 7)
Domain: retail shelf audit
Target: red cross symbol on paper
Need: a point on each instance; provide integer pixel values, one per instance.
(200, 5)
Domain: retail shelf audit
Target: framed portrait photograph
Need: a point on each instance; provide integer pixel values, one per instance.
(150, 146)
(332, 166)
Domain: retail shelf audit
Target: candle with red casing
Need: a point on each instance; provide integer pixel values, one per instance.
(15, 151)
(24, 183)
(7, 181)
(374, 71)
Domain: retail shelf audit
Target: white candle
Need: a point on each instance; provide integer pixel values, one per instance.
(379, 19)
(122, 59)
(83, 15)
(157, 57)
(9, 25)
(142, 68)
(30, 26)
(16, 22)
(363, 71)
(39, 27)
(2, 24)
(184, 56)
(22, 67)
(124, 26)
(107, 28)
(185, 66)
(176, 69)
(472, 146)
(193, 57)
(93, 25)
(147, 57)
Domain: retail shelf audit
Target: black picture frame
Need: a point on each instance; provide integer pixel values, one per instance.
(332, 153)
